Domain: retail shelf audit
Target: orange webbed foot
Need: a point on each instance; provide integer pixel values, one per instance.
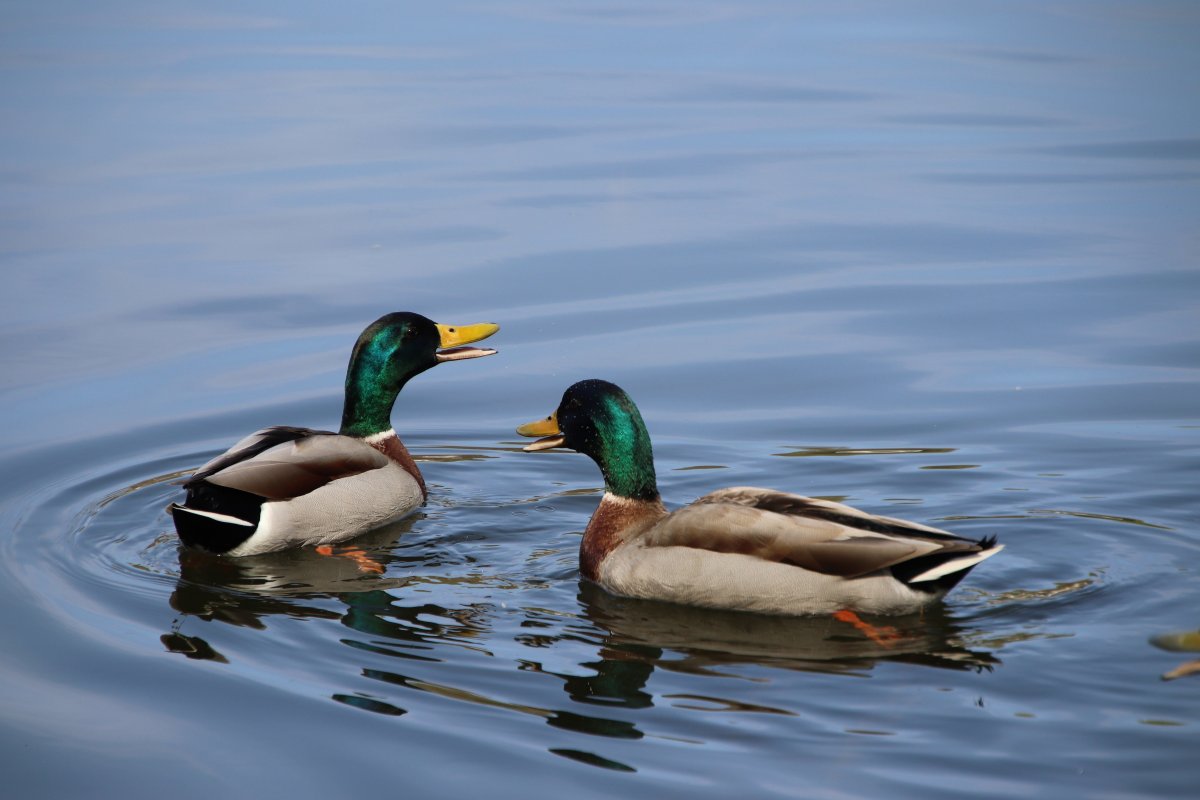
(884, 635)
(359, 556)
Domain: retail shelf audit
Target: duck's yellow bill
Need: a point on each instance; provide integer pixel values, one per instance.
(453, 336)
(547, 428)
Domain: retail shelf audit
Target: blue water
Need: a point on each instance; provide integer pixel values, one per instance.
(939, 261)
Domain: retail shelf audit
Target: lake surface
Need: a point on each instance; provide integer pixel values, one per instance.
(939, 261)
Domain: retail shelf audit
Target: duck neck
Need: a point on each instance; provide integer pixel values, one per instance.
(622, 450)
(370, 396)
(631, 481)
(364, 419)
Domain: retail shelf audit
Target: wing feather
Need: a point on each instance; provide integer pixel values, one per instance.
(799, 505)
(819, 535)
(252, 445)
(295, 467)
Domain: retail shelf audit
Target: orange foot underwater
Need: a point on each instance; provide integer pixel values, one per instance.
(357, 555)
(885, 636)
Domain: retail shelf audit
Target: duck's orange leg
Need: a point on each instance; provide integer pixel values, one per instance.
(884, 636)
(359, 556)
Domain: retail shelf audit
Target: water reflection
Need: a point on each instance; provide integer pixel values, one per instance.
(301, 584)
(805, 451)
(615, 645)
(702, 641)
(242, 591)
(192, 647)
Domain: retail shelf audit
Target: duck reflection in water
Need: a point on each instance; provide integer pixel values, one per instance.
(300, 583)
(702, 639)
(623, 640)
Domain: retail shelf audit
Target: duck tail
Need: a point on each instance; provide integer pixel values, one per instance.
(938, 573)
(956, 565)
(216, 519)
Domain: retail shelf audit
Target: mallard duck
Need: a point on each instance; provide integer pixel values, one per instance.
(740, 548)
(286, 487)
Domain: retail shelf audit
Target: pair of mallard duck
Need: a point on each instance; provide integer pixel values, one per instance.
(739, 548)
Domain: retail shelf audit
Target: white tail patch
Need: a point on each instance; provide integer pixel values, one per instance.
(214, 515)
(965, 561)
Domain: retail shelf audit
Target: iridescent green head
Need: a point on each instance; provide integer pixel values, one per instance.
(392, 350)
(598, 419)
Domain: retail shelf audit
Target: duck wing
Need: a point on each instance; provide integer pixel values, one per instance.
(813, 534)
(281, 463)
(251, 446)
